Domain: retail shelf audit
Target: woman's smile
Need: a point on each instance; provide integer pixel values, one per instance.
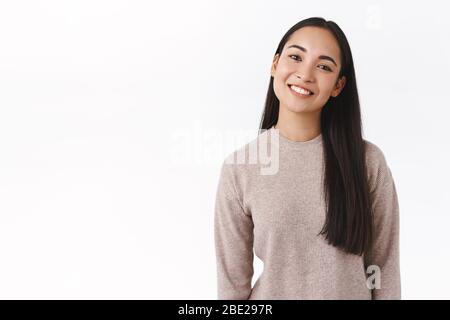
(299, 92)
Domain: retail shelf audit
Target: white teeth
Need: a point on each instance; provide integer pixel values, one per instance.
(300, 90)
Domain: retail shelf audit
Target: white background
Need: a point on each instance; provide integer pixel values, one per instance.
(93, 202)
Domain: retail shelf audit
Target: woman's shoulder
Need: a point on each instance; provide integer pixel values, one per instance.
(245, 162)
(377, 166)
(248, 153)
(374, 154)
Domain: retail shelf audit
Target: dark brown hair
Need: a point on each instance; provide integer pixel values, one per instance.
(348, 223)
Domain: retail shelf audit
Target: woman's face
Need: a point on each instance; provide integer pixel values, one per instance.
(314, 66)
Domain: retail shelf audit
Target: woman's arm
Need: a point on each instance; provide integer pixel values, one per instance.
(385, 250)
(233, 232)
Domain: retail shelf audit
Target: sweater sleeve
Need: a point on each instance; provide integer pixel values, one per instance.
(385, 250)
(233, 233)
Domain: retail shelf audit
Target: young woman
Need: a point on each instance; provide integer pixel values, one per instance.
(326, 224)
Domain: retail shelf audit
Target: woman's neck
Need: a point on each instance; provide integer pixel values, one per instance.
(298, 127)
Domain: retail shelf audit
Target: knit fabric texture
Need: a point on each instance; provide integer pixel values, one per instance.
(277, 215)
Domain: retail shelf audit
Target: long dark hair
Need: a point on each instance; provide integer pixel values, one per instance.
(348, 224)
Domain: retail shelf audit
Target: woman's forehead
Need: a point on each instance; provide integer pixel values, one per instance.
(315, 41)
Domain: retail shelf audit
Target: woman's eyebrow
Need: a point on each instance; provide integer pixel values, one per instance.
(320, 57)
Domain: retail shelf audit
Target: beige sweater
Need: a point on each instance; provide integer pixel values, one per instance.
(277, 216)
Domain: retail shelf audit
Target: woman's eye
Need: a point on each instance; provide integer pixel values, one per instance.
(325, 67)
(321, 66)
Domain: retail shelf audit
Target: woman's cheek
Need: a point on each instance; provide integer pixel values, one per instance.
(325, 89)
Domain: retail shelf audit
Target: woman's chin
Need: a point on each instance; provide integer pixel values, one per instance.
(299, 108)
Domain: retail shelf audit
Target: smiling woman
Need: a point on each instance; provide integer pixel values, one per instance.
(331, 211)
(309, 67)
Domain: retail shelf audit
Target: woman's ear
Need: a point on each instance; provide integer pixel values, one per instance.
(338, 87)
(274, 64)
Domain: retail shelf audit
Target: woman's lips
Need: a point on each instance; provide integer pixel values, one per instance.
(297, 94)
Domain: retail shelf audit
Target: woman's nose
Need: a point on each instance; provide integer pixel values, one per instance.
(305, 73)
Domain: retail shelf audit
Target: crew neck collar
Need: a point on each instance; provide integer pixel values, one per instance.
(296, 144)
